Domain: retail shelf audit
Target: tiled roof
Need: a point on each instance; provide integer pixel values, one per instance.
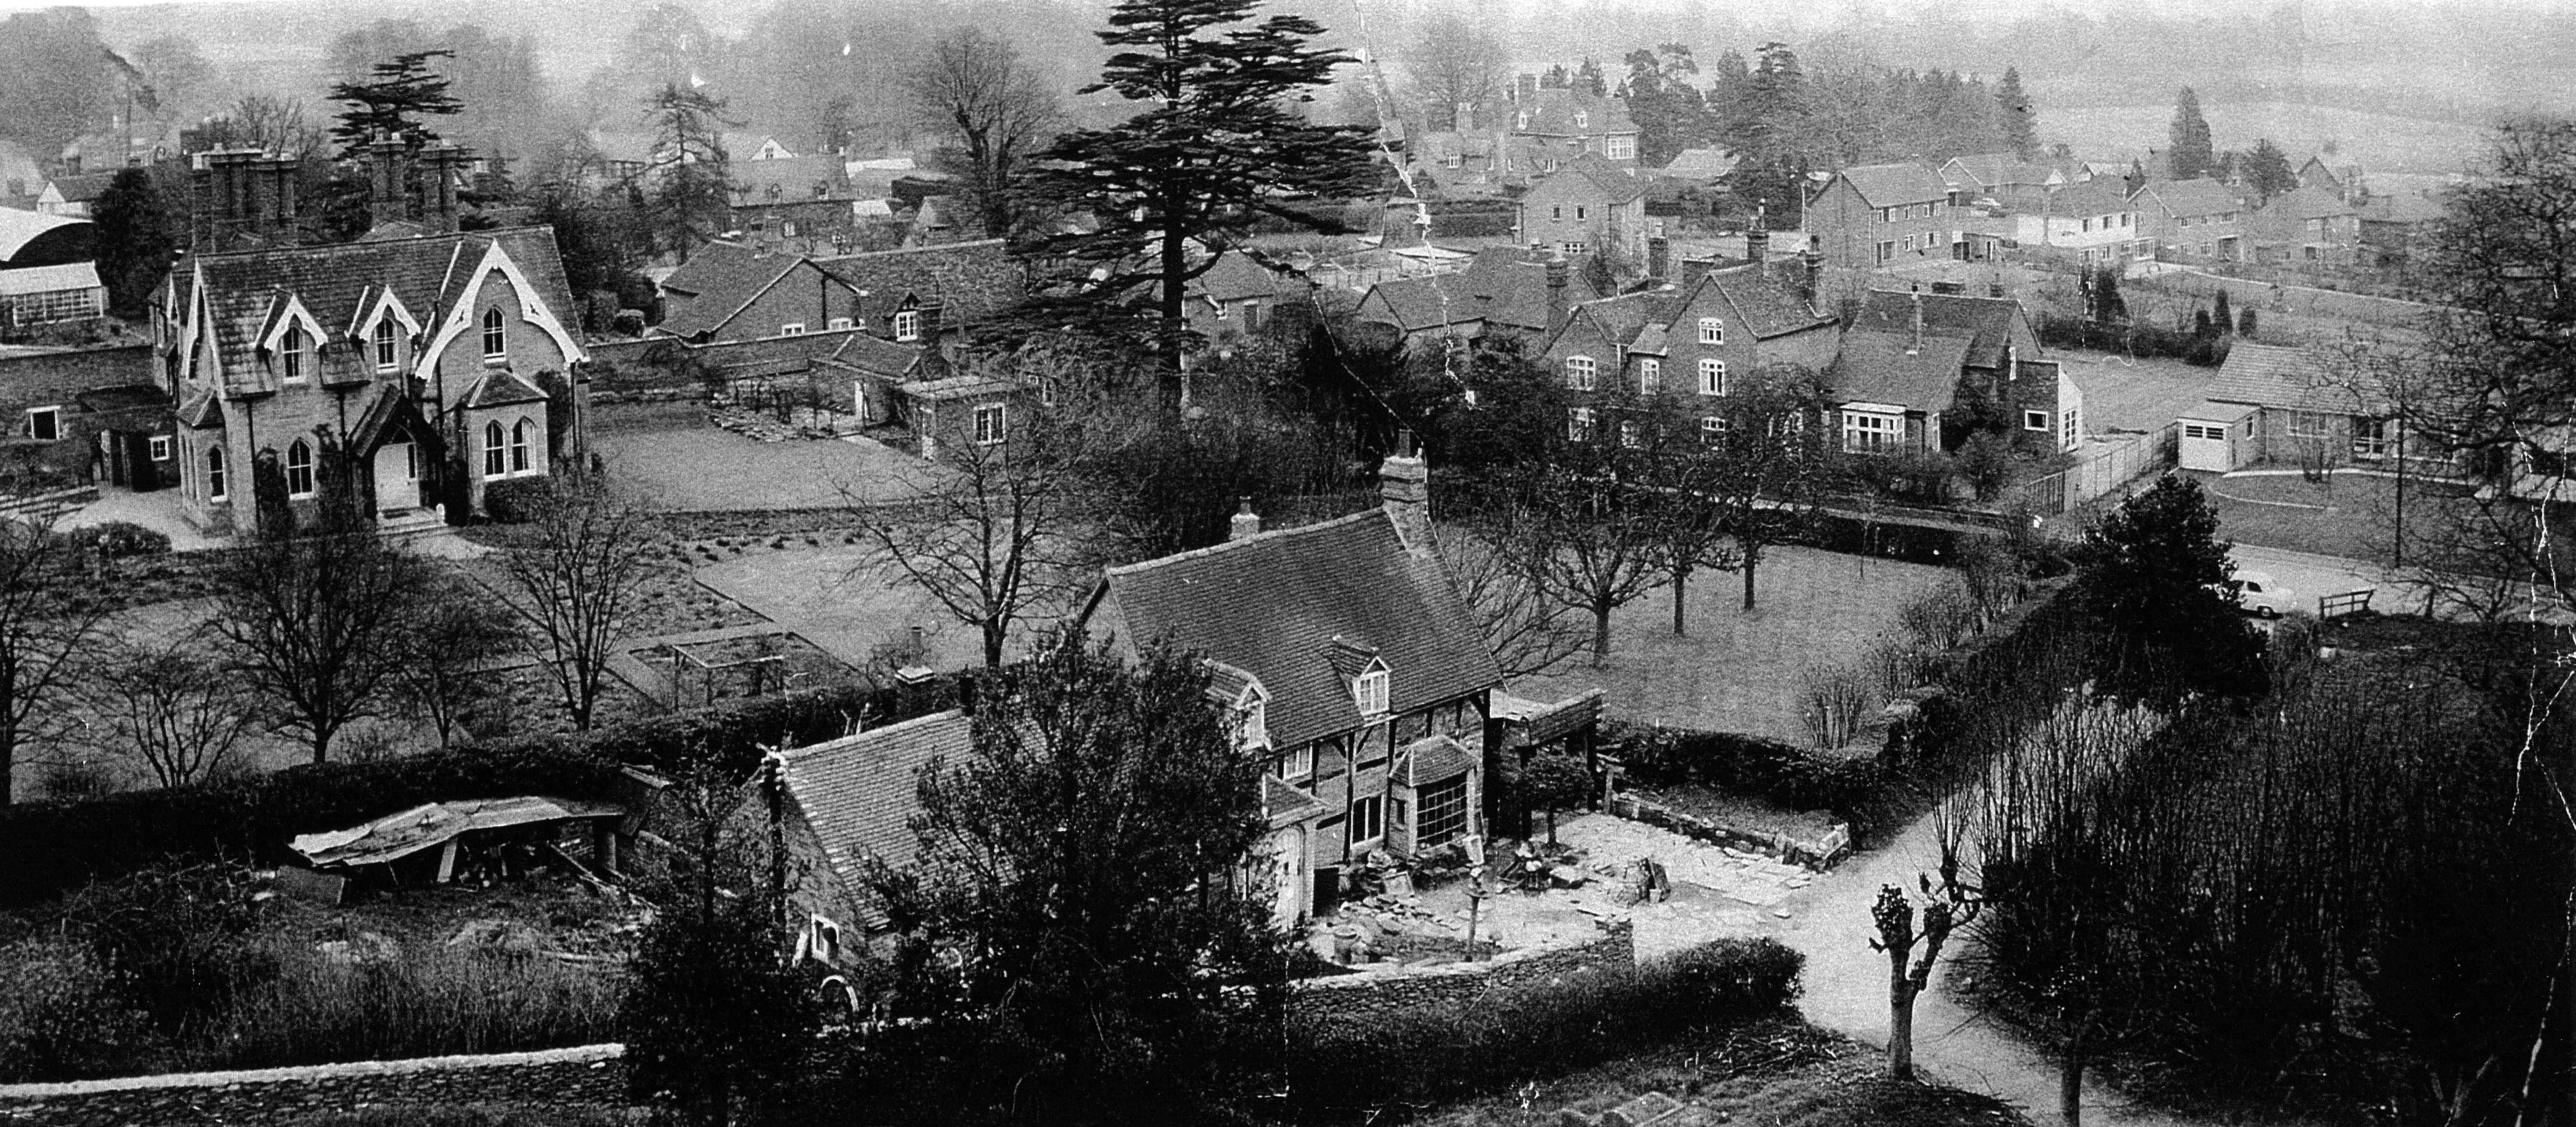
(1988, 321)
(2307, 203)
(2271, 375)
(968, 281)
(1887, 185)
(83, 187)
(1286, 805)
(1699, 164)
(2195, 197)
(428, 275)
(200, 411)
(1765, 302)
(1554, 110)
(1432, 759)
(1236, 277)
(1614, 183)
(2408, 207)
(795, 178)
(1874, 367)
(717, 281)
(1990, 170)
(1505, 286)
(1273, 605)
(878, 355)
(499, 387)
(859, 793)
(2089, 197)
(957, 387)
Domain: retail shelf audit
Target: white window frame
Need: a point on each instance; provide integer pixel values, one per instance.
(998, 428)
(52, 420)
(385, 343)
(792, 329)
(293, 361)
(312, 480)
(519, 461)
(1630, 437)
(836, 324)
(496, 335)
(1712, 330)
(495, 450)
(1712, 429)
(2035, 420)
(1368, 812)
(1650, 375)
(907, 324)
(1577, 247)
(1582, 213)
(1887, 250)
(1298, 763)
(1582, 373)
(2308, 425)
(1578, 424)
(1619, 146)
(158, 447)
(2069, 429)
(218, 477)
(1372, 690)
(1712, 376)
(1872, 432)
(2373, 438)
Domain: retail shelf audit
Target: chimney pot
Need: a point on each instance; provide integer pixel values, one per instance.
(1245, 522)
(1404, 484)
(1557, 273)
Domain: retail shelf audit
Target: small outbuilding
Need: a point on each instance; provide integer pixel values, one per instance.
(2218, 437)
(435, 842)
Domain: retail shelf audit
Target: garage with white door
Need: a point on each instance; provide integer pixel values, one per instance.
(2216, 436)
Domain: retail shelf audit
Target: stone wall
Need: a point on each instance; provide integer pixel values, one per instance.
(1386, 990)
(587, 1077)
(1819, 853)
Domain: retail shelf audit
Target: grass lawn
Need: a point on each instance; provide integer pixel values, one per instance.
(1782, 1073)
(2125, 394)
(2348, 514)
(1740, 671)
(831, 596)
(680, 464)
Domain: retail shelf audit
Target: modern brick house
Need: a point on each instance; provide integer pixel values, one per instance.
(1883, 215)
(2302, 413)
(2093, 218)
(2308, 227)
(2196, 220)
(441, 361)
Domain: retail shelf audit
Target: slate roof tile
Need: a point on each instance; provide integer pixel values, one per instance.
(2271, 375)
(1874, 367)
(1888, 185)
(1988, 321)
(859, 793)
(968, 281)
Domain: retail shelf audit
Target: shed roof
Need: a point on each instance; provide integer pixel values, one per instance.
(859, 793)
(432, 824)
(1699, 164)
(49, 279)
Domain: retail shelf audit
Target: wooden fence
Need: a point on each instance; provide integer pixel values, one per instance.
(2104, 473)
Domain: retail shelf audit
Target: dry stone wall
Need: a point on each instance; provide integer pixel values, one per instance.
(592, 1076)
(1387, 990)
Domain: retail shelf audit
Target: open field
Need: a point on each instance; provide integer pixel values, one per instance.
(2373, 140)
(1740, 671)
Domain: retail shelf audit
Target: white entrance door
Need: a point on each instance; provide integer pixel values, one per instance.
(1288, 867)
(397, 478)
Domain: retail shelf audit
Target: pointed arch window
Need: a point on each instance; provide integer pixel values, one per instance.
(519, 447)
(299, 469)
(387, 339)
(294, 363)
(496, 335)
(492, 449)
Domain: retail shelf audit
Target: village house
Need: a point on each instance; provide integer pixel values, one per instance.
(1551, 126)
(2306, 226)
(731, 291)
(2195, 220)
(1883, 215)
(439, 362)
(2283, 405)
(1505, 291)
(1590, 206)
(1918, 373)
(2396, 227)
(85, 415)
(1698, 342)
(1239, 295)
(1996, 175)
(72, 194)
(2094, 220)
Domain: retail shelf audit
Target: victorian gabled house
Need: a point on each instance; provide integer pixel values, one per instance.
(428, 361)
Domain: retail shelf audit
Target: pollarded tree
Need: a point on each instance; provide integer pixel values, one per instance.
(1217, 146)
(1090, 852)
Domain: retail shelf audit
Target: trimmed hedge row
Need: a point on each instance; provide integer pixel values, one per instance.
(1506, 1038)
(49, 848)
(1782, 774)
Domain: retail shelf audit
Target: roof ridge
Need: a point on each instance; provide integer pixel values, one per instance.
(1269, 535)
(910, 250)
(843, 743)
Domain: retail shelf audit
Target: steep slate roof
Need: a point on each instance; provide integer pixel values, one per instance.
(2406, 207)
(1888, 185)
(1276, 604)
(1765, 303)
(2306, 203)
(1629, 319)
(1699, 164)
(499, 388)
(429, 276)
(1987, 321)
(717, 281)
(794, 176)
(83, 187)
(1504, 286)
(1552, 112)
(2088, 197)
(1613, 182)
(1874, 367)
(1236, 277)
(2271, 375)
(2195, 197)
(859, 793)
(969, 280)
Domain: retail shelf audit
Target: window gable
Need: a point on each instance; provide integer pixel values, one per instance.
(1370, 690)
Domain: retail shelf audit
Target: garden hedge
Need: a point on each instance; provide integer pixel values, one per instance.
(1783, 774)
(47, 848)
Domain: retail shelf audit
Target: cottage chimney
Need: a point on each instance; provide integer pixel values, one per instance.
(1813, 282)
(1556, 307)
(1404, 482)
(1246, 523)
(1525, 89)
(385, 189)
(1659, 256)
(1916, 345)
(1757, 240)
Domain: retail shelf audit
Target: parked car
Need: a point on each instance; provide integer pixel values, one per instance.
(2261, 595)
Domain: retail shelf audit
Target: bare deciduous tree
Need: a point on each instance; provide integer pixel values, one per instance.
(1775, 454)
(455, 631)
(315, 618)
(1503, 586)
(44, 627)
(1946, 910)
(171, 704)
(994, 111)
(1456, 60)
(574, 572)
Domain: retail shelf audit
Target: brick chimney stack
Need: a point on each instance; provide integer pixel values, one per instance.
(1757, 240)
(1404, 482)
(1916, 345)
(241, 198)
(1245, 523)
(1813, 282)
(1556, 281)
(1525, 89)
(1659, 257)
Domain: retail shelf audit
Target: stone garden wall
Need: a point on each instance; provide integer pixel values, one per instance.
(590, 1076)
(1384, 990)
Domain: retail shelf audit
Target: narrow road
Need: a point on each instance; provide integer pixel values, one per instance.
(1846, 991)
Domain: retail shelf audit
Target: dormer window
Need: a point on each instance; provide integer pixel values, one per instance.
(294, 364)
(1582, 119)
(1253, 710)
(1369, 689)
(907, 324)
(387, 340)
(496, 336)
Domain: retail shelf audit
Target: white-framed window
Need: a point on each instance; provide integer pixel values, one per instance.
(1578, 424)
(387, 338)
(823, 939)
(1049, 388)
(1457, 160)
(493, 449)
(2309, 424)
(837, 324)
(1582, 119)
(1866, 432)
(792, 329)
(160, 447)
(1712, 429)
(299, 469)
(2373, 438)
(1712, 331)
(1441, 816)
(2035, 420)
(1368, 819)
(1650, 375)
(1369, 689)
(1575, 248)
(1251, 316)
(1629, 436)
(519, 446)
(1619, 146)
(907, 324)
(1712, 376)
(1297, 764)
(1556, 211)
(44, 424)
(496, 335)
(1887, 251)
(295, 361)
(2069, 428)
(1581, 373)
(215, 488)
(990, 425)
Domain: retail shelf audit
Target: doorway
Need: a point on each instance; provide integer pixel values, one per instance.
(397, 477)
